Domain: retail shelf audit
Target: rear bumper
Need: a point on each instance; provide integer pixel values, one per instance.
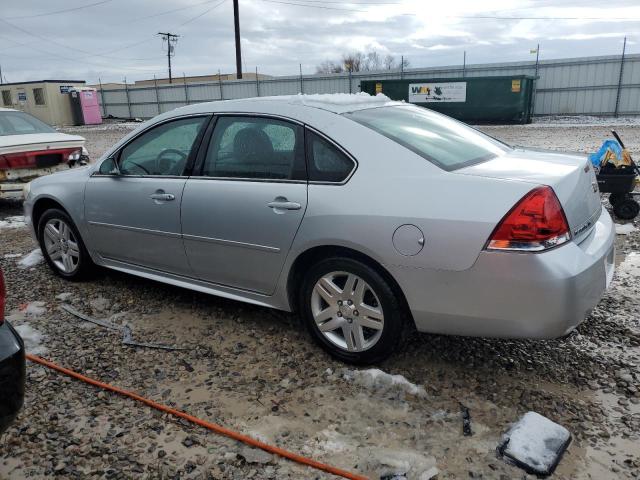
(12, 375)
(14, 183)
(515, 295)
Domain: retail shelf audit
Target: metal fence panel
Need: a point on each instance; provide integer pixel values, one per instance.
(574, 86)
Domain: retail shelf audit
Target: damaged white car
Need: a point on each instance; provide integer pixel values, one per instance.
(29, 148)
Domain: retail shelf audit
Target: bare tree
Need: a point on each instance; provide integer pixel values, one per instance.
(353, 61)
(372, 61)
(329, 66)
(389, 62)
(362, 61)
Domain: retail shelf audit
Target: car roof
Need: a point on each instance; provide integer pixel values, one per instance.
(335, 103)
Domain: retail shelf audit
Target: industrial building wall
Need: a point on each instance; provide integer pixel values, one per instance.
(576, 86)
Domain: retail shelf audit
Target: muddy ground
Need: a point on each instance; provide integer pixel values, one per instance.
(256, 371)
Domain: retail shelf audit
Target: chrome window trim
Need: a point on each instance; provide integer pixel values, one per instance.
(243, 179)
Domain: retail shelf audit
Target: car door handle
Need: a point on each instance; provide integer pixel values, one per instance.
(284, 204)
(166, 197)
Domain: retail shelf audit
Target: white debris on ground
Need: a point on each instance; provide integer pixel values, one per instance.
(34, 309)
(625, 229)
(12, 222)
(12, 255)
(399, 464)
(535, 441)
(32, 339)
(31, 259)
(376, 379)
(583, 121)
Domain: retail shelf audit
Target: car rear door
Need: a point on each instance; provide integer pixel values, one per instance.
(241, 211)
(133, 211)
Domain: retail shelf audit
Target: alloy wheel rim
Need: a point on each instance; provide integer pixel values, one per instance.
(61, 245)
(347, 311)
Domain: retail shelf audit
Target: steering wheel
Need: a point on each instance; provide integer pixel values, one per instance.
(169, 165)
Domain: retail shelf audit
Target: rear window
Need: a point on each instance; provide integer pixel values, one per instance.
(447, 143)
(19, 123)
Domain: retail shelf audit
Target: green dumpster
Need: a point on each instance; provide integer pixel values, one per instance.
(502, 99)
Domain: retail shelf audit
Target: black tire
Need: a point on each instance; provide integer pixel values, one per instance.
(391, 306)
(627, 209)
(616, 198)
(85, 265)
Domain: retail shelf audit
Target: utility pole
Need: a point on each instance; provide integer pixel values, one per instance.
(236, 23)
(171, 39)
(1, 82)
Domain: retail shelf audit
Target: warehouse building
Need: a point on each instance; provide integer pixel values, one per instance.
(47, 100)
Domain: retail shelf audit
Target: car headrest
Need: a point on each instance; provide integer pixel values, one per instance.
(252, 145)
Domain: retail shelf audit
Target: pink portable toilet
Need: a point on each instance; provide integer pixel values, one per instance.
(85, 106)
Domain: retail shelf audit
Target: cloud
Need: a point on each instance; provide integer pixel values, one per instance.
(119, 39)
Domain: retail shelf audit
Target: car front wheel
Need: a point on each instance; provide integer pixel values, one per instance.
(62, 246)
(351, 310)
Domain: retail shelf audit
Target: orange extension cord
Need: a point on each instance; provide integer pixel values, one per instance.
(211, 426)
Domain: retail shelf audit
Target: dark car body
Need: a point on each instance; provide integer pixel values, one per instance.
(12, 368)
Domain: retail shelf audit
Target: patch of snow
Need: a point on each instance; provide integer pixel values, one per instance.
(341, 98)
(32, 339)
(64, 297)
(34, 309)
(32, 259)
(625, 229)
(535, 441)
(331, 441)
(12, 222)
(12, 255)
(376, 379)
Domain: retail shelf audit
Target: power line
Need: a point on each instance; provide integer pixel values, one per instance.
(201, 14)
(467, 17)
(173, 10)
(56, 12)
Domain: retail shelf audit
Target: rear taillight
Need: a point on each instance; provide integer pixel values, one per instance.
(3, 295)
(536, 223)
(39, 158)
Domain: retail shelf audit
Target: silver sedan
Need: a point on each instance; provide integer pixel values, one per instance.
(362, 214)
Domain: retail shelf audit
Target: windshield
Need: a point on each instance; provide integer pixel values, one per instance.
(446, 142)
(20, 123)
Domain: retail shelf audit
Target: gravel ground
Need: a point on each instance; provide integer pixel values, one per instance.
(255, 370)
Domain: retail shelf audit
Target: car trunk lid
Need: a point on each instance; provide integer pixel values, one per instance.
(38, 150)
(571, 176)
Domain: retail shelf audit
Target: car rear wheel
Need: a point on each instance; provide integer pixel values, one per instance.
(351, 310)
(626, 209)
(616, 198)
(62, 246)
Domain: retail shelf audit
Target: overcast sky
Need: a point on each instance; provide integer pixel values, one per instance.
(111, 39)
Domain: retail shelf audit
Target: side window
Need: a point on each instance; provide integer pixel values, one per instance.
(38, 96)
(260, 148)
(326, 162)
(6, 98)
(163, 150)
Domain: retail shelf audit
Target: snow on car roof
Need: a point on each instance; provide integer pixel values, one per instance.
(332, 102)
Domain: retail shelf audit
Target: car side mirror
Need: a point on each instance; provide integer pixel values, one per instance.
(109, 167)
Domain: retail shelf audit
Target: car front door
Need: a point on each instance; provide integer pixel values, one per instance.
(132, 203)
(241, 212)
